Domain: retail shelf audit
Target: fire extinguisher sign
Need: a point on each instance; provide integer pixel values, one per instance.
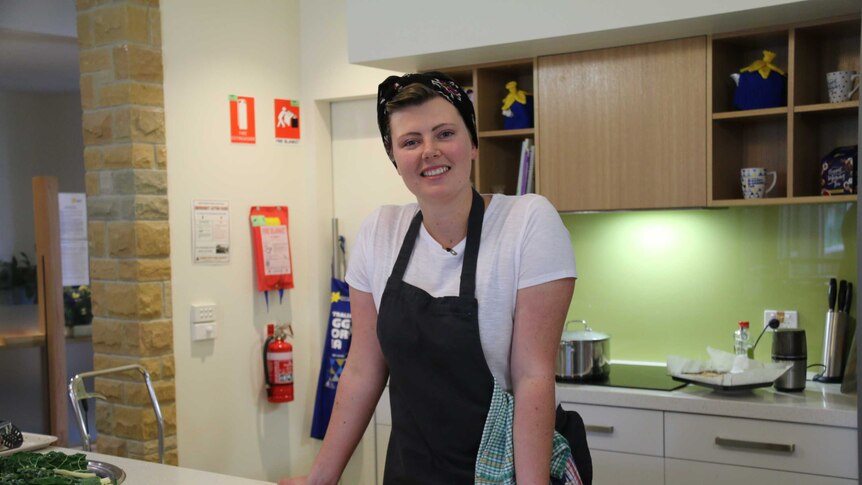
(241, 119)
(286, 121)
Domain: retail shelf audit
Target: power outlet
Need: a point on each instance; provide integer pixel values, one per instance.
(203, 312)
(788, 318)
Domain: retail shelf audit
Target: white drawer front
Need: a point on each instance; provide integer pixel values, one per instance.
(612, 468)
(622, 429)
(682, 472)
(382, 414)
(819, 450)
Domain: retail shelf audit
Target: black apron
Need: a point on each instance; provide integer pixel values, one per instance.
(440, 386)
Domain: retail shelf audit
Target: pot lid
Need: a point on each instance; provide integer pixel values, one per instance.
(581, 336)
(585, 334)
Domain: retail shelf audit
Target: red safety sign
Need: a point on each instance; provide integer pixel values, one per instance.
(286, 121)
(241, 119)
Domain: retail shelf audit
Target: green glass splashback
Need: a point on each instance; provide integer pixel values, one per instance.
(675, 282)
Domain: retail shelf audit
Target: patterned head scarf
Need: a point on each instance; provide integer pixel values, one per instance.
(440, 83)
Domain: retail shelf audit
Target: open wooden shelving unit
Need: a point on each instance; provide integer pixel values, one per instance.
(499, 149)
(790, 140)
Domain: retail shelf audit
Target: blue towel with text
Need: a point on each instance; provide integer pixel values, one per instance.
(335, 350)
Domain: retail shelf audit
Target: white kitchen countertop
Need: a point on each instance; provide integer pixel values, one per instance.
(140, 472)
(821, 404)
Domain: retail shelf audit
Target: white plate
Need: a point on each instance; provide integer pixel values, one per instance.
(32, 441)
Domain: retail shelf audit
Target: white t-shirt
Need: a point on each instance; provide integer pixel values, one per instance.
(524, 243)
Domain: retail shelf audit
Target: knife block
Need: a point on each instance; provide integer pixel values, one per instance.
(834, 351)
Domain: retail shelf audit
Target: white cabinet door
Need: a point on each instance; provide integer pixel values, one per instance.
(683, 472)
(625, 430)
(610, 468)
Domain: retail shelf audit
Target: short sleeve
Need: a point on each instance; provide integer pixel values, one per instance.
(546, 246)
(359, 273)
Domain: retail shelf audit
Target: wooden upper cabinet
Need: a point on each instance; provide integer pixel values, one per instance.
(623, 128)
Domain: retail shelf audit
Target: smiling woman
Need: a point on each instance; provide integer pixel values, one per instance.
(459, 300)
(433, 154)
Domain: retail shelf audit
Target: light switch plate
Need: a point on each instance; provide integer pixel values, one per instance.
(203, 312)
(203, 331)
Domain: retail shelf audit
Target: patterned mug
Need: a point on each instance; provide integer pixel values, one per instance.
(840, 85)
(754, 182)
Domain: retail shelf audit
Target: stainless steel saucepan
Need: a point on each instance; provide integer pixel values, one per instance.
(584, 355)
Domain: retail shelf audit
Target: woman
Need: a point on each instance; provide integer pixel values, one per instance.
(449, 296)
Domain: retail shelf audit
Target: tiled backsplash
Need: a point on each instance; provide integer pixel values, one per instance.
(675, 282)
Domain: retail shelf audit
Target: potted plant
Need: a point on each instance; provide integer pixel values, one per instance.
(77, 305)
(18, 281)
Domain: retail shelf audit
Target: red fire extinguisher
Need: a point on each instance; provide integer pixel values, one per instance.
(278, 364)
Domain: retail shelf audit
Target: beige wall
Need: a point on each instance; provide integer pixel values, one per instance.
(212, 49)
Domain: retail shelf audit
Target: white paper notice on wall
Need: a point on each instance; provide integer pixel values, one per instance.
(276, 250)
(74, 250)
(210, 232)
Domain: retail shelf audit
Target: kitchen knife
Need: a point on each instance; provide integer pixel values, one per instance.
(832, 290)
(842, 295)
(848, 298)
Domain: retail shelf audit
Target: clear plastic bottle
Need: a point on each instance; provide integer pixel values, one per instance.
(741, 342)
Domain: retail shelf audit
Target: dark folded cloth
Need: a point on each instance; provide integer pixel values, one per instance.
(571, 426)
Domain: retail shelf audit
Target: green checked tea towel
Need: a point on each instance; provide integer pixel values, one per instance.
(495, 463)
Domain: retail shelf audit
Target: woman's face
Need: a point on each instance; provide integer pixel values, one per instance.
(432, 149)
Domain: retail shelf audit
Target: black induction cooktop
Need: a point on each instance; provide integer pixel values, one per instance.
(637, 377)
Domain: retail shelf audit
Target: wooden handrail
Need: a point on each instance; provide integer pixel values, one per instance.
(46, 212)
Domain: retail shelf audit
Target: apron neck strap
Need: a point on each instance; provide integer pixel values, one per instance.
(471, 250)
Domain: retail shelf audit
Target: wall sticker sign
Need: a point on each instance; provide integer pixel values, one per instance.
(286, 121)
(241, 119)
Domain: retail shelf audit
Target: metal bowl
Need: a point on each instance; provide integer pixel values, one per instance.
(106, 470)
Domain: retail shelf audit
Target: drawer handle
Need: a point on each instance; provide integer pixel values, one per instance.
(594, 428)
(754, 445)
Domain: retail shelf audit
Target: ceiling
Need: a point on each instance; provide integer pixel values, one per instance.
(38, 46)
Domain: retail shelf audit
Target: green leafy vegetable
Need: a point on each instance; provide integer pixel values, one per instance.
(28, 468)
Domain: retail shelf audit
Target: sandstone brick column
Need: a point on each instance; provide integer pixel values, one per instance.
(127, 206)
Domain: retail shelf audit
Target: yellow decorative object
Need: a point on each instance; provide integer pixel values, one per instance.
(514, 95)
(764, 66)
